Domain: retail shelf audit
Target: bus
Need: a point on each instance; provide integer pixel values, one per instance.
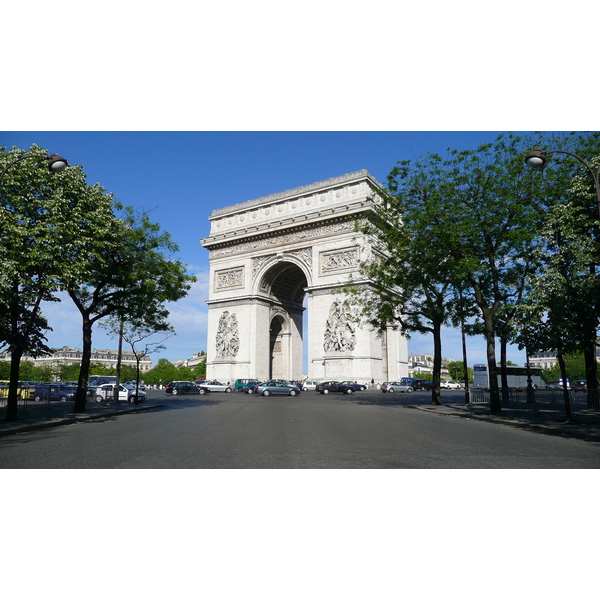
(516, 376)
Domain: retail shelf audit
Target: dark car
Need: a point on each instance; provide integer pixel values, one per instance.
(240, 384)
(336, 386)
(417, 384)
(54, 391)
(184, 387)
(250, 387)
(357, 387)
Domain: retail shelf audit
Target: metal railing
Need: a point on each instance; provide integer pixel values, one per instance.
(581, 400)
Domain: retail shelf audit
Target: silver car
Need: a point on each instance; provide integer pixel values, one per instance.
(277, 388)
(395, 386)
(217, 386)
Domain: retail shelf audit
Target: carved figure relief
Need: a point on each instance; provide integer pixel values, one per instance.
(228, 336)
(229, 278)
(339, 260)
(340, 332)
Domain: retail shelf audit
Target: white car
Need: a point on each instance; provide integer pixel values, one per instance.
(106, 392)
(217, 386)
(450, 385)
(309, 385)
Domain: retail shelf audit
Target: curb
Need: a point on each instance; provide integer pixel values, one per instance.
(537, 427)
(72, 418)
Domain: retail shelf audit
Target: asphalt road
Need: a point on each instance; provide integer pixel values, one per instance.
(312, 431)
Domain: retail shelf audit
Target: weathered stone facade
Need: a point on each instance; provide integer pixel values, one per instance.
(275, 258)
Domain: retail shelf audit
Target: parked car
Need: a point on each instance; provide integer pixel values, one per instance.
(217, 386)
(416, 383)
(450, 385)
(24, 390)
(357, 387)
(277, 388)
(53, 391)
(240, 384)
(395, 386)
(309, 385)
(140, 385)
(250, 387)
(27, 389)
(105, 392)
(335, 386)
(184, 387)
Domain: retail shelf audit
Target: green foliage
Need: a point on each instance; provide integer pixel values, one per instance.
(49, 223)
(29, 372)
(199, 370)
(164, 371)
(4, 370)
(132, 276)
(575, 364)
(456, 371)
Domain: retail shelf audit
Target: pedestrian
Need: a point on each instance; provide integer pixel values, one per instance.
(372, 382)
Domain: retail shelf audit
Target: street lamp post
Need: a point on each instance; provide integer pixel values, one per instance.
(536, 159)
(56, 163)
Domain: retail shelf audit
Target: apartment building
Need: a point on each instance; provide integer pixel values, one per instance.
(69, 356)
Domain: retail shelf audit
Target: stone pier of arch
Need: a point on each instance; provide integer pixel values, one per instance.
(278, 260)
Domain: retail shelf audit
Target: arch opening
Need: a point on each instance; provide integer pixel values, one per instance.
(285, 285)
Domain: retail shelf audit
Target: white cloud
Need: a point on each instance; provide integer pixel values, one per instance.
(188, 317)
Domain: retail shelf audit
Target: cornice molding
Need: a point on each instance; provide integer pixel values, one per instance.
(299, 191)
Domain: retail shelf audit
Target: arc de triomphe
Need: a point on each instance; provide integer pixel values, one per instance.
(284, 257)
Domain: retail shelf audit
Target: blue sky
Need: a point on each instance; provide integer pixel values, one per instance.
(181, 177)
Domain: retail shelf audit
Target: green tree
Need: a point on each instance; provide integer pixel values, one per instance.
(141, 338)
(456, 370)
(131, 274)
(409, 280)
(43, 217)
(471, 213)
(164, 371)
(575, 365)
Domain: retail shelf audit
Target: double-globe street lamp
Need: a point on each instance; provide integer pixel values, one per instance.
(536, 159)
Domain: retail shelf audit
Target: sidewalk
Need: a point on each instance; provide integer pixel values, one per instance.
(32, 416)
(583, 425)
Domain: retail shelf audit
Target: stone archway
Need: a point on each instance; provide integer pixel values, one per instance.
(269, 255)
(284, 283)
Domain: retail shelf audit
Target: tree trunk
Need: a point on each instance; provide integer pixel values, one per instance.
(119, 358)
(436, 395)
(591, 374)
(86, 354)
(13, 387)
(495, 405)
(465, 366)
(503, 373)
(563, 372)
